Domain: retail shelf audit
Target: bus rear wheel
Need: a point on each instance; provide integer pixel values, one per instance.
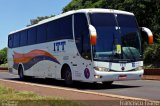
(21, 74)
(68, 76)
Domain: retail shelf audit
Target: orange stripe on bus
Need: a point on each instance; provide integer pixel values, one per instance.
(24, 58)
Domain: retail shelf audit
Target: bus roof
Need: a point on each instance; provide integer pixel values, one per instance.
(92, 10)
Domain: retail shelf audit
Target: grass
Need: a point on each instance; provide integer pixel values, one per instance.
(4, 65)
(11, 97)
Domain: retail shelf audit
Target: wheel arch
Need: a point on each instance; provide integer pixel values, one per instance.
(63, 69)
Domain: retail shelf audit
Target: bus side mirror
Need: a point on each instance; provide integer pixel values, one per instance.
(93, 35)
(147, 32)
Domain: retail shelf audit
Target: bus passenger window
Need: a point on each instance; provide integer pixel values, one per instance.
(23, 38)
(42, 33)
(10, 41)
(16, 40)
(32, 33)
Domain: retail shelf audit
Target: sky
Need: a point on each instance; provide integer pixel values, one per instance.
(16, 14)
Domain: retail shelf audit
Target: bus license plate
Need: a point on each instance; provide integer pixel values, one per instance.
(122, 77)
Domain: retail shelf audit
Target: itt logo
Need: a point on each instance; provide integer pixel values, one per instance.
(59, 46)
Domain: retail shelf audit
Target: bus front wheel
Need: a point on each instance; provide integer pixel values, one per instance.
(68, 76)
(107, 83)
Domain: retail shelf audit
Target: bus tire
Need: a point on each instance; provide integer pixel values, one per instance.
(20, 73)
(107, 83)
(68, 76)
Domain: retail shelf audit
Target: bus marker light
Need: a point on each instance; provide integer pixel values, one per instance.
(93, 35)
(93, 39)
(150, 39)
(149, 34)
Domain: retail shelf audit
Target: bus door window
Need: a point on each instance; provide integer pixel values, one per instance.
(82, 35)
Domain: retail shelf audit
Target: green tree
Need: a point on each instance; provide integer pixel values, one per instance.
(38, 19)
(147, 13)
(81, 4)
(3, 56)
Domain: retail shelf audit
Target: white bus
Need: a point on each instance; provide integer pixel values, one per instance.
(89, 45)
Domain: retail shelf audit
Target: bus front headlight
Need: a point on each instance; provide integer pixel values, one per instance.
(101, 69)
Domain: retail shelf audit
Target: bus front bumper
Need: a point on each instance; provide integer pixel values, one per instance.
(117, 76)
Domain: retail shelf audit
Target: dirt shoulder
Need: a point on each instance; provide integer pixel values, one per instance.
(151, 77)
(90, 99)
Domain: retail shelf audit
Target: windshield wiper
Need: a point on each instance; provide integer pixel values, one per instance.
(126, 55)
(130, 55)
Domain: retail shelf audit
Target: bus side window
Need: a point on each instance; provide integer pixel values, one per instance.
(60, 29)
(16, 42)
(23, 38)
(32, 33)
(52, 30)
(66, 27)
(10, 41)
(42, 33)
(82, 35)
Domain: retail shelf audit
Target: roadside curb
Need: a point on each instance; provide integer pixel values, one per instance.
(79, 91)
(3, 69)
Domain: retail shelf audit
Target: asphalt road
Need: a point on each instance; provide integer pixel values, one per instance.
(146, 89)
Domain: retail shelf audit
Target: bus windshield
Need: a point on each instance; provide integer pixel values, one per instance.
(112, 30)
